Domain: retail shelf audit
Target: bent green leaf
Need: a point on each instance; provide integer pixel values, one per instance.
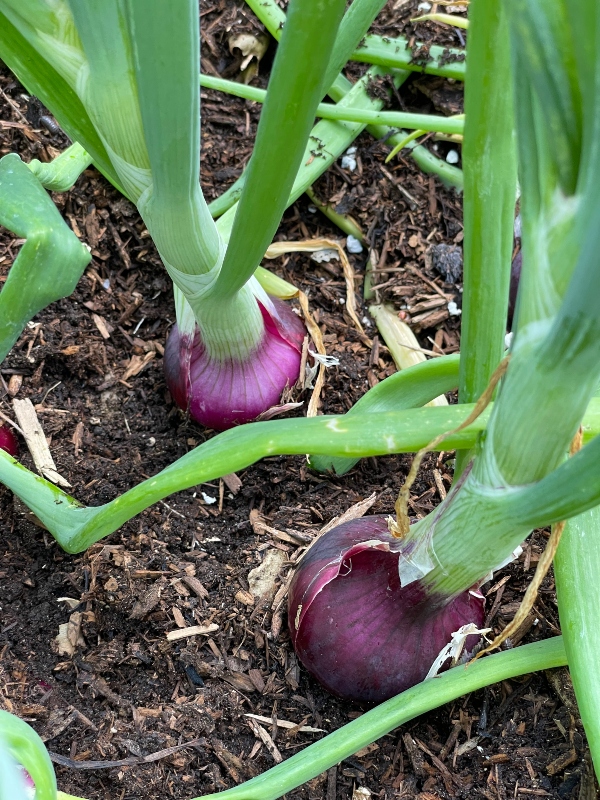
(50, 262)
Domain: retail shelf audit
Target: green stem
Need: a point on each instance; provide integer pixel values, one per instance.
(346, 224)
(50, 263)
(449, 175)
(489, 159)
(26, 748)
(327, 141)
(165, 41)
(106, 86)
(374, 724)
(576, 570)
(42, 80)
(356, 22)
(355, 436)
(61, 173)
(551, 377)
(295, 87)
(273, 18)
(409, 388)
(397, 119)
(448, 62)
(429, 163)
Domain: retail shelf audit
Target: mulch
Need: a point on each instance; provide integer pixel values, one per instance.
(129, 713)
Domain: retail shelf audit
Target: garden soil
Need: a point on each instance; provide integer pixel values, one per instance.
(128, 713)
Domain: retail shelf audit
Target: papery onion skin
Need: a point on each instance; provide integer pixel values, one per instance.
(355, 629)
(8, 441)
(221, 394)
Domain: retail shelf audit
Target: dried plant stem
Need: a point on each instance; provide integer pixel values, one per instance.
(316, 336)
(314, 245)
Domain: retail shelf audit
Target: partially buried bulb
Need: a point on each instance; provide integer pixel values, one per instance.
(360, 633)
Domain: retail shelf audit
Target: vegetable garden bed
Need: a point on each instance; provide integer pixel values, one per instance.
(92, 366)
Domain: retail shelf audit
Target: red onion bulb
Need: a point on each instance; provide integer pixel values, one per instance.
(8, 441)
(224, 393)
(355, 629)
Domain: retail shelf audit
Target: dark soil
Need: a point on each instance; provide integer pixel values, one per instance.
(91, 364)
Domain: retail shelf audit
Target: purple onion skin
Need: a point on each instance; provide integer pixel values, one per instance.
(221, 394)
(355, 629)
(515, 278)
(8, 441)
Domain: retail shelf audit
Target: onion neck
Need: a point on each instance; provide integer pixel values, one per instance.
(231, 328)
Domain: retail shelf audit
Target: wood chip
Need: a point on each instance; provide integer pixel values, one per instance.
(231, 762)
(148, 600)
(562, 762)
(259, 684)
(14, 384)
(78, 437)
(245, 597)
(261, 734)
(103, 326)
(125, 762)
(283, 723)
(332, 783)
(240, 682)
(194, 630)
(416, 756)
(232, 482)
(36, 441)
(137, 364)
(178, 617)
(195, 585)
(354, 512)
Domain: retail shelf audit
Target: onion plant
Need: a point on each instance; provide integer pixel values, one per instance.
(533, 70)
(122, 78)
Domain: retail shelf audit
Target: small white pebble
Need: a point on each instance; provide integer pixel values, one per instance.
(508, 340)
(312, 210)
(453, 309)
(452, 157)
(325, 255)
(208, 499)
(341, 301)
(349, 160)
(424, 7)
(106, 284)
(353, 244)
(151, 441)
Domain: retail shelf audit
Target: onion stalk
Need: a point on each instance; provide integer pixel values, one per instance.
(554, 369)
(133, 69)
